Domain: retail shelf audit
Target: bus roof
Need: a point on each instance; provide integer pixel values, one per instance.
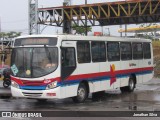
(93, 38)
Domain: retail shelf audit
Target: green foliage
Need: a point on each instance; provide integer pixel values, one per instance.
(81, 29)
(11, 34)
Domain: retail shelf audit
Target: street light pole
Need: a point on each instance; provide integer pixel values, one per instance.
(2, 49)
(0, 25)
(108, 31)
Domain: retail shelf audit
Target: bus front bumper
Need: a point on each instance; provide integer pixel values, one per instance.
(37, 94)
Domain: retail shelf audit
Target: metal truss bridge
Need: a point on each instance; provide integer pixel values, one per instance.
(102, 14)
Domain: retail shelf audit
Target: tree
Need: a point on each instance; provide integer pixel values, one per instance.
(11, 34)
(2, 34)
(81, 29)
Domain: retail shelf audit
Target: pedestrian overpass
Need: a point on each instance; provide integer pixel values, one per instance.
(101, 14)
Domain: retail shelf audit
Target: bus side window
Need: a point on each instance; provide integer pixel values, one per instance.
(147, 50)
(137, 51)
(113, 51)
(126, 51)
(83, 52)
(98, 51)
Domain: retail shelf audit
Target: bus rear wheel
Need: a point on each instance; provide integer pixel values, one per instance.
(130, 87)
(82, 94)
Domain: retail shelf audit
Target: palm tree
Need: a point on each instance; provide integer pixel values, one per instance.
(81, 29)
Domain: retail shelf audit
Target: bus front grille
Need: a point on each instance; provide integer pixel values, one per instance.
(32, 94)
(32, 83)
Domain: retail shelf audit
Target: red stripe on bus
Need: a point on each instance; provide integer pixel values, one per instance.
(133, 70)
(32, 83)
(81, 76)
(101, 74)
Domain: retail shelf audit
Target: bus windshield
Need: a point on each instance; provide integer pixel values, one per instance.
(33, 62)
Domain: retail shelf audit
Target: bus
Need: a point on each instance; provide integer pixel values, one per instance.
(69, 66)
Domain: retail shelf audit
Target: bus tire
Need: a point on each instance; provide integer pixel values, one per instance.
(82, 94)
(130, 87)
(6, 83)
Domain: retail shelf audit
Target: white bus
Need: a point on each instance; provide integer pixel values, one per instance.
(61, 66)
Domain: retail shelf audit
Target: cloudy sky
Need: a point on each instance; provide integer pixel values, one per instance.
(14, 15)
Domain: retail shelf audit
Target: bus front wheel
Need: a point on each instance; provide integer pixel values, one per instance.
(130, 87)
(82, 94)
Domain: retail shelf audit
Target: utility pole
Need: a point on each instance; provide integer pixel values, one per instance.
(102, 30)
(120, 32)
(125, 30)
(66, 23)
(86, 31)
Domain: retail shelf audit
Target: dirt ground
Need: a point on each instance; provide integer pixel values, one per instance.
(156, 54)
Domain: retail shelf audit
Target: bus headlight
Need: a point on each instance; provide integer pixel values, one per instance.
(52, 85)
(14, 84)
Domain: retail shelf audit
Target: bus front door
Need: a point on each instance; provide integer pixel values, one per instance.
(68, 67)
(68, 59)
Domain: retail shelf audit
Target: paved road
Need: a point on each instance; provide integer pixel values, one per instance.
(4, 92)
(146, 97)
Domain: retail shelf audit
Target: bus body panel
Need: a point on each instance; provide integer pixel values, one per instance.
(125, 76)
(70, 88)
(150, 63)
(115, 78)
(100, 76)
(105, 83)
(37, 94)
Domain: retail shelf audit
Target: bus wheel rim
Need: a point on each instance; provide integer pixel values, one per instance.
(131, 84)
(81, 93)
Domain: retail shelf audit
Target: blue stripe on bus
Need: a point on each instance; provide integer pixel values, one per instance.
(33, 87)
